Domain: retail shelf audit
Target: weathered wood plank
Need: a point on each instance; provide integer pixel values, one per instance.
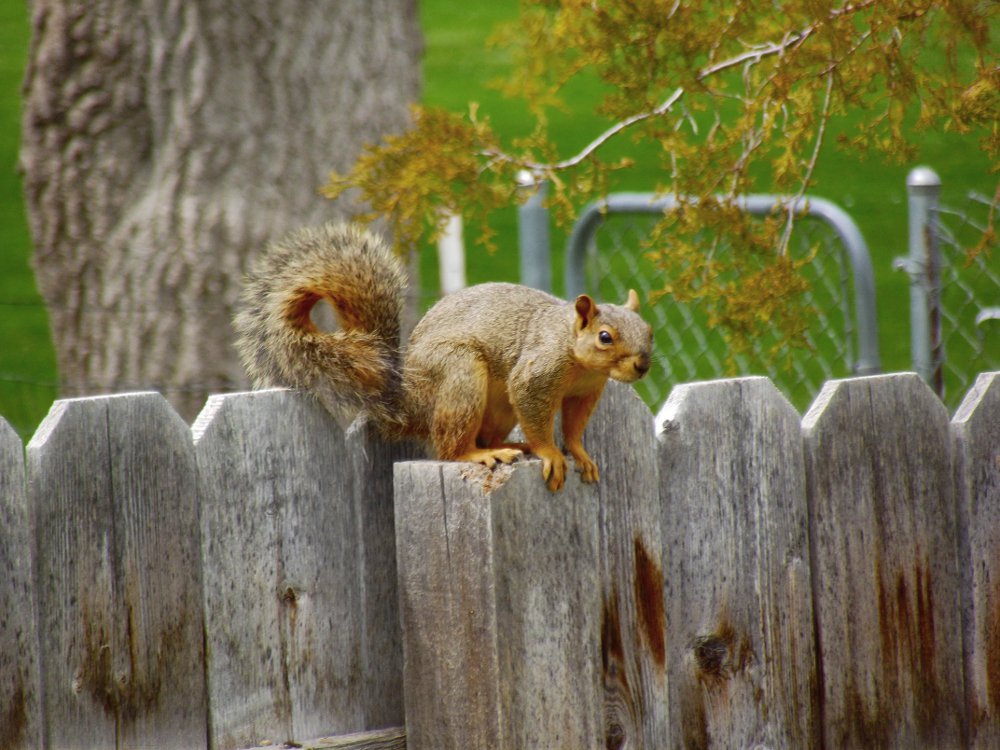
(112, 485)
(283, 612)
(372, 459)
(20, 719)
(621, 439)
(500, 604)
(447, 600)
(886, 582)
(976, 432)
(740, 654)
(393, 738)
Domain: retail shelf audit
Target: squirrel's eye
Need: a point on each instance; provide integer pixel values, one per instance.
(605, 338)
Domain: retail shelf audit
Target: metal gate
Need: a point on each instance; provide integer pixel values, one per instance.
(604, 257)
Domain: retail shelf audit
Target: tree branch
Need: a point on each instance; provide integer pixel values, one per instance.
(786, 234)
(752, 56)
(617, 128)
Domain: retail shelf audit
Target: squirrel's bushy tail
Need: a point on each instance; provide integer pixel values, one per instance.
(355, 368)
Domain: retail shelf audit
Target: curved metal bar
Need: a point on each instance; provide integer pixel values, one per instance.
(593, 215)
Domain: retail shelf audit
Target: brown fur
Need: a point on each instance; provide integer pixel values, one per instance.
(480, 361)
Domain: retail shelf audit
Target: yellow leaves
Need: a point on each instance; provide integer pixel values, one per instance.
(438, 167)
(803, 112)
(736, 94)
(713, 254)
(765, 299)
(979, 103)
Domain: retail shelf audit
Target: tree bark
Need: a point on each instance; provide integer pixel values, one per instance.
(165, 142)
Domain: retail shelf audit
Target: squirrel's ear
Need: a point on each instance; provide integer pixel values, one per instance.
(586, 311)
(633, 301)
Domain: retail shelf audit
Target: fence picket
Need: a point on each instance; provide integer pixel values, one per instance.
(620, 438)
(886, 583)
(976, 430)
(283, 598)
(372, 459)
(500, 604)
(111, 481)
(739, 614)
(19, 699)
(746, 579)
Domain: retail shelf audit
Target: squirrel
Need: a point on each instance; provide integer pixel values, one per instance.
(480, 360)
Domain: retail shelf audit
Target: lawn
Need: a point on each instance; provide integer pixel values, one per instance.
(458, 68)
(27, 362)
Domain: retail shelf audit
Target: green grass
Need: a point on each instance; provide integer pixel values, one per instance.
(458, 67)
(873, 192)
(27, 361)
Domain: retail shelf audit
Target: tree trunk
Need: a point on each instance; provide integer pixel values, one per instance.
(165, 142)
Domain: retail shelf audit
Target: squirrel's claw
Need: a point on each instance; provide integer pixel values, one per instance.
(588, 470)
(553, 468)
(507, 455)
(489, 457)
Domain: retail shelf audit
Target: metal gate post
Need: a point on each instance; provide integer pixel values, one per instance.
(923, 186)
(533, 234)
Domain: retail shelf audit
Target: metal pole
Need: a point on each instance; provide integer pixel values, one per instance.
(923, 187)
(533, 235)
(451, 256)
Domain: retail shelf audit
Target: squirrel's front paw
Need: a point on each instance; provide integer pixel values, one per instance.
(588, 469)
(553, 468)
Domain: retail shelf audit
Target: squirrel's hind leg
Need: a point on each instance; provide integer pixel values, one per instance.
(460, 410)
(499, 419)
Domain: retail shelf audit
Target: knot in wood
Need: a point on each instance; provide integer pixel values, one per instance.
(711, 652)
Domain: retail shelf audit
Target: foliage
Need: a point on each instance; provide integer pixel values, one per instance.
(738, 96)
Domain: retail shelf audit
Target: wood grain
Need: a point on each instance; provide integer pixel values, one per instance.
(886, 579)
(500, 603)
(748, 580)
(976, 432)
(283, 598)
(372, 460)
(392, 738)
(736, 555)
(621, 439)
(112, 484)
(20, 714)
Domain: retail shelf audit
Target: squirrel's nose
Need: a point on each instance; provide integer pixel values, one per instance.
(641, 365)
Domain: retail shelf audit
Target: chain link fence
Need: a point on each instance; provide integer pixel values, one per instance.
(955, 288)
(605, 257)
(970, 301)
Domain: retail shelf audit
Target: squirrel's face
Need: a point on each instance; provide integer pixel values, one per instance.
(613, 339)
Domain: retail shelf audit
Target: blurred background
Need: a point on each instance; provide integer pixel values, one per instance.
(460, 67)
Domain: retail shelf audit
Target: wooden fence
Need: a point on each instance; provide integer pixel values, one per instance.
(741, 577)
